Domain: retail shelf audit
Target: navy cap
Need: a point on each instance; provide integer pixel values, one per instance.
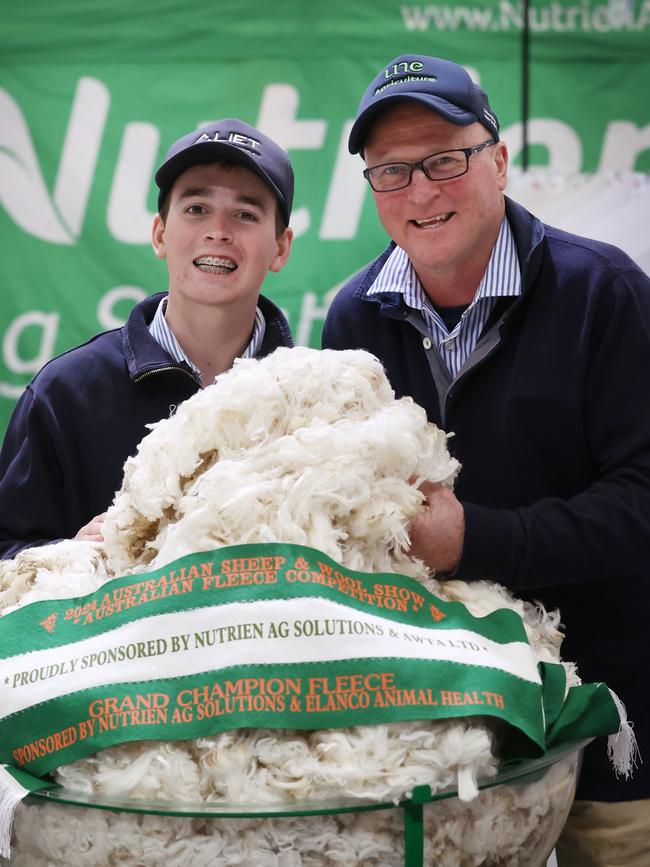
(440, 85)
(234, 141)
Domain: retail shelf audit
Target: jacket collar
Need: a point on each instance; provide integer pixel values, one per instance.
(141, 351)
(144, 354)
(277, 331)
(529, 234)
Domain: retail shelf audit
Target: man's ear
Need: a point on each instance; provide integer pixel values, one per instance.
(158, 237)
(283, 250)
(501, 162)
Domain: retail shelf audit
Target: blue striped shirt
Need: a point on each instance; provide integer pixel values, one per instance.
(502, 278)
(164, 336)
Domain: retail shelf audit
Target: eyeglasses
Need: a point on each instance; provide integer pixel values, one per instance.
(441, 166)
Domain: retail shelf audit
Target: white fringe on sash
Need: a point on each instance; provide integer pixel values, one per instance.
(11, 794)
(622, 748)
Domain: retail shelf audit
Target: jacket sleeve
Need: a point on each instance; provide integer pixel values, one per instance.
(31, 479)
(601, 532)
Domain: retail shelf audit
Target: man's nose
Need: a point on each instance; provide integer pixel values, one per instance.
(219, 228)
(421, 187)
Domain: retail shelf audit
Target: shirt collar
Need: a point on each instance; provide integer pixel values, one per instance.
(165, 337)
(502, 276)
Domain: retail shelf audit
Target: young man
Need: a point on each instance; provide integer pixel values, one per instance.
(225, 199)
(532, 345)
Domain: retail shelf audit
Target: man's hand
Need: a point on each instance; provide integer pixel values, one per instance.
(92, 531)
(437, 533)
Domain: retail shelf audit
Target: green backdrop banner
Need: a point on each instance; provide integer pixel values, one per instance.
(91, 96)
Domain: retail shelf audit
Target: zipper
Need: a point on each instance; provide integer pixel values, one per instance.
(167, 370)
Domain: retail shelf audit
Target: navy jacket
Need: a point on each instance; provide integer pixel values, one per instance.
(551, 423)
(82, 416)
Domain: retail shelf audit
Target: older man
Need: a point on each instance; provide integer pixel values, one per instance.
(532, 345)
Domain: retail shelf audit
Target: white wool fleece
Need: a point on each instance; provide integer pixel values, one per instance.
(311, 448)
(303, 446)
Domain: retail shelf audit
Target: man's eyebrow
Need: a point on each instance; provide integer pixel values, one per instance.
(242, 198)
(191, 192)
(255, 201)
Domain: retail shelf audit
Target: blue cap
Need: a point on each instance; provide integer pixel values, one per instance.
(440, 85)
(234, 141)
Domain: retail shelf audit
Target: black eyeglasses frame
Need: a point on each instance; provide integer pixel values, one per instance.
(420, 165)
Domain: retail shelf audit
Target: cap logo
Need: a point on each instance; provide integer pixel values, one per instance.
(235, 138)
(403, 68)
(403, 72)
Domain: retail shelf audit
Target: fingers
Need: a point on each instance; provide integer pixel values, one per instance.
(437, 533)
(428, 488)
(93, 530)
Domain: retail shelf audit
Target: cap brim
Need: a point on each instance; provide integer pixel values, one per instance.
(208, 152)
(440, 106)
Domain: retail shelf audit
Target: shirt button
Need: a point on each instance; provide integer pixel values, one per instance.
(426, 343)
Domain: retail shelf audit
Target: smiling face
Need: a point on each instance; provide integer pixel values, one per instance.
(219, 238)
(447, 228)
